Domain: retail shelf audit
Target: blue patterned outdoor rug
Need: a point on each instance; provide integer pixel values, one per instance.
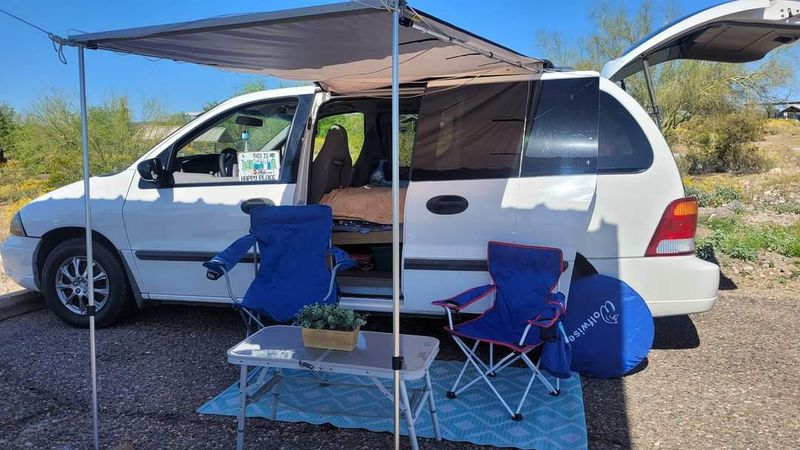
(475, 416)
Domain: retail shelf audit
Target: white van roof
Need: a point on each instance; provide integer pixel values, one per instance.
(736, 32)
(345, 47)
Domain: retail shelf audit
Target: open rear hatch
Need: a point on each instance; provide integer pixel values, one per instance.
(735, 32)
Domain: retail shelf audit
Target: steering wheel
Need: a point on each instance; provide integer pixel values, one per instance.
(227, 158)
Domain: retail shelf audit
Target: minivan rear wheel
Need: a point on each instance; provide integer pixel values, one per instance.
(65, 283)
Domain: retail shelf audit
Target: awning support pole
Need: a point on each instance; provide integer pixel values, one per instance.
(648, 78)
(397, 360)
(89, 256)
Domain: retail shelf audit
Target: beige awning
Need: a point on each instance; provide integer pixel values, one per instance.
(344, 47)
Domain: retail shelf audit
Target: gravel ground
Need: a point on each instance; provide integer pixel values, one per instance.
(722, 379)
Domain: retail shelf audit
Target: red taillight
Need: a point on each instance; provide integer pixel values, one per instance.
(675, 233)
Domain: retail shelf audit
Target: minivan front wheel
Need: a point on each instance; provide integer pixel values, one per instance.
(65, 284)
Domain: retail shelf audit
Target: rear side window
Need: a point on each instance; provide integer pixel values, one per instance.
(624, 148)
(562, 128)
(470, 132)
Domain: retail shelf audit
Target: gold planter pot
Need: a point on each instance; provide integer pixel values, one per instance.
(330, 339)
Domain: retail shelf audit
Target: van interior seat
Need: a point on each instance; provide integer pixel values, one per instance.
(371, 154)
(333, 165)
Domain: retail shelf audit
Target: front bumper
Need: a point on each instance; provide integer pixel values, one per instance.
(18, 254)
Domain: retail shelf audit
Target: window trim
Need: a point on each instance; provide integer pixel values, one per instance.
(622, 171)
(296, 133)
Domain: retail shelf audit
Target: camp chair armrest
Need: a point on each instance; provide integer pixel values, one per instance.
(552, 311)
(215, 269)
(341, 260)
(466, 298)
(463, 300)
(225, 260)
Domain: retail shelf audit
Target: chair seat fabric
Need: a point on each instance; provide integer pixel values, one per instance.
(490, 327)
(524, 277)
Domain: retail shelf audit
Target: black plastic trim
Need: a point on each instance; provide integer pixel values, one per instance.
(137, 293)
(181, 256)
(463, 265)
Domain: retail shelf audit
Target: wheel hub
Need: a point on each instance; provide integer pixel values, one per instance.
(72, 285)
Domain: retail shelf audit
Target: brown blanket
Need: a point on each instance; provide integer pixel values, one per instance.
(369, 203)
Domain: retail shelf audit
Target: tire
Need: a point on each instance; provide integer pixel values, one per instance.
(65, 293)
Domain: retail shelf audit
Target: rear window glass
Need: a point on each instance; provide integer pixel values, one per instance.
(469, 132)
(562, 128)
(353, 124)
(623, 145)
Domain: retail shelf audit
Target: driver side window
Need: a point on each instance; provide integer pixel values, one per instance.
(244, 145)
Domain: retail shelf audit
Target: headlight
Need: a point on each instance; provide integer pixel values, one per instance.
(16, 227)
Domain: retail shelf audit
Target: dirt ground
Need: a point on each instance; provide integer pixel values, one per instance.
(723, 379)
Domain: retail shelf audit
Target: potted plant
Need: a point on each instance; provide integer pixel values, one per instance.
(330, 326)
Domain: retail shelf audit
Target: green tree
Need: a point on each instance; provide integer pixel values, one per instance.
(7, 125)
(47, 143)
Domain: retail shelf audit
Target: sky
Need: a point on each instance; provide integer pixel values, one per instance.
(30, 67)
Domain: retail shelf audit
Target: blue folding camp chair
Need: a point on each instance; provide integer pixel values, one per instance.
(526, 314)
(292, 255)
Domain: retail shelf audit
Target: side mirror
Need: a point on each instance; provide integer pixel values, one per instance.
(151, 170)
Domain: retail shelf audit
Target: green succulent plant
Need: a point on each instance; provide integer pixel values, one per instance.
(330, 317)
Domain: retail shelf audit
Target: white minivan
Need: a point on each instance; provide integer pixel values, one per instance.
(557, 158)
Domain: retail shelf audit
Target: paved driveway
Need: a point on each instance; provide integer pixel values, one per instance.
(723, 379)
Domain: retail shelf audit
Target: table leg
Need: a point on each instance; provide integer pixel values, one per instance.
(434, 418)
(409, 414)
(242, 408)
(276, 394)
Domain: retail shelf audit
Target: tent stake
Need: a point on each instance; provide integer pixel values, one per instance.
(89, 256)
(396, 358)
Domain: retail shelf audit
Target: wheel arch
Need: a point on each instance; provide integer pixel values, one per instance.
(58, 235)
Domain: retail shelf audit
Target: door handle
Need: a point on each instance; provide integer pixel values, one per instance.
(251, 203)
(446, 205)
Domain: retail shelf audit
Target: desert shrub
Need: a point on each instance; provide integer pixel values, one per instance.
(783, 127)
(715, 193)
(704, 249)
(724, 143)
(782, 239)
(786, 208)
(741, 241)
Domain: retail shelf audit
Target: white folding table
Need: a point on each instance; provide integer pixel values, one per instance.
(281, 347)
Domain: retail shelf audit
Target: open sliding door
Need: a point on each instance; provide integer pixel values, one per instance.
(512, 161)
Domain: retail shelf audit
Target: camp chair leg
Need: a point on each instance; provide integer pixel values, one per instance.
(471, 358)
(432, 403)
(505, 362)
(409, 415)
(491, 360)
(536, 373)
(517, 415)
(249, 319)
(452, 392)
